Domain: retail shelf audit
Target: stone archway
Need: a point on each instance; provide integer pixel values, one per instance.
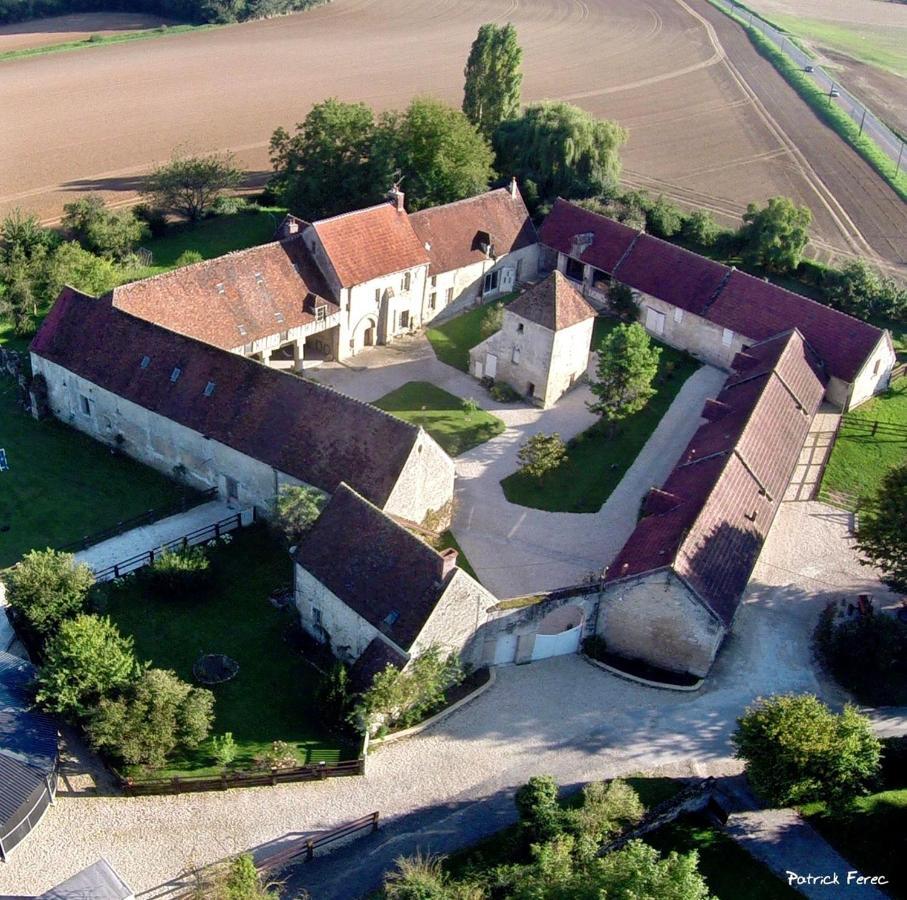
(365, 334)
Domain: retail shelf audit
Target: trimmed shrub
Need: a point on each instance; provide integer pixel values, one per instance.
(541, 817)
(188, 258)
(176, 573)
(503, 392)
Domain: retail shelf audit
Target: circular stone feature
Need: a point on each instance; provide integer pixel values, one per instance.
(215, 668)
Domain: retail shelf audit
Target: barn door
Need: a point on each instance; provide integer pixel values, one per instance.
(491, 365)
(655, 321)
(508, 278)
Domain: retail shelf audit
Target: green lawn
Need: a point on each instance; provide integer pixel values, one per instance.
(453, 340)
(62, 485)
(441, 415)
(873, 838)
(596, 462)
(860, 459)
(731, 873)
(273, 696)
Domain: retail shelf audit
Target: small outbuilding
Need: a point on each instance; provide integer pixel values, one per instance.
(28, 755)
(542, 349)
(99, 881)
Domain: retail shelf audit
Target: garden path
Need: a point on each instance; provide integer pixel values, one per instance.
(150, 537)
(513, 549)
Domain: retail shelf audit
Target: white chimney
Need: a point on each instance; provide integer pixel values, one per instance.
(513, 188)
(448, 561)
(396, 196)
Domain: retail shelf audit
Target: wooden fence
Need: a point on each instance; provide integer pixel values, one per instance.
(307, 847)
(223, 782)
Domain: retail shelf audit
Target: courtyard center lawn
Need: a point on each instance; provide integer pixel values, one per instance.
(453, 340)
(62, 485)
(441, 415)
(873, 838)
(596, 462)
(860, 459)
(273, 696)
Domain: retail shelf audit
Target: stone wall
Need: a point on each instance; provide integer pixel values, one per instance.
(569, 360)
(657, 619)
(873, 377)
(425, 485)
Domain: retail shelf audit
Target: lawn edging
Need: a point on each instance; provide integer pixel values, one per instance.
(438, 716)
(839, 121)
(658, 685)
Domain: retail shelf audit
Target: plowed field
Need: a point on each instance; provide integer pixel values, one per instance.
(710, 123)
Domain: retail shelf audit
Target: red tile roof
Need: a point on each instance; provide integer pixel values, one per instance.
(303, 429)
(758, 309)
(234, 299)
(554, 303)
(731, 477)
(609, 239)
(452, 233)
(387, 575)
(370, 243)
(731, 299)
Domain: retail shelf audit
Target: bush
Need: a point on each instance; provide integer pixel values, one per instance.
(85, 661)
(279, 755)
(158, 715)
(243, 882)
(608, 808)
(541, 817)
(297, 509)
(223, 748)
(46, 588)
(188, 258)
(176, 573)
(503, 392)
(100, 230)
(333, 695)
(620, 299)
(664, 219)
(798, 751)
(541, 454)
(155, 219)
(229, 205)
(700, 228)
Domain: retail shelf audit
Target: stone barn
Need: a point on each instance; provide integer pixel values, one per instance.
(542, 349)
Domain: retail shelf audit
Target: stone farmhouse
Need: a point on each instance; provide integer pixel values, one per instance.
(220, 420)
(542, 349)
(711, 310)
(386, 596)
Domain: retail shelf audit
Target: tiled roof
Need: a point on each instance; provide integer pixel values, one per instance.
(723, 295)
(711, 516)
(234, 299)
(609, 239)
(553, 303)
(376, 567)
(303, 429)
(370, 243)
(452, 233)
(759, 309)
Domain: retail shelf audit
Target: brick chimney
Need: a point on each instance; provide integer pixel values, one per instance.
(513, 189)
(448, 561)
(396, 196)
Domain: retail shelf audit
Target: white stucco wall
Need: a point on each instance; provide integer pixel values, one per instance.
(655, 618)
(875, 375)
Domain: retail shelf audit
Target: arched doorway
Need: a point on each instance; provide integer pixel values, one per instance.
(365, 333)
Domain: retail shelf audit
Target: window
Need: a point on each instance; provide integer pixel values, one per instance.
(491, 282)
(404, 319)
(515, 356)
(574, 269)
(449, 295)
(219, 288)
(279, 316)
(519, 266)
(519, 328)
(284, 336)
(432, 300)
(406, 281)
(875, 368)
(321, 313)
(434, 280)
(316, 615)
(377, 295)
(727, 338)
(85, 405)
(175, 374)
(146, 361)
(678, 314)
(391, 617)
(209, 389)
(232, 488)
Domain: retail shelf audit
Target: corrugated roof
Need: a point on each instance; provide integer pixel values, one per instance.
(303, 429)
(370, 243)
(452, 234)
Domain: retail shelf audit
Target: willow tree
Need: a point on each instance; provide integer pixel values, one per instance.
(493, 78)
(563, 149)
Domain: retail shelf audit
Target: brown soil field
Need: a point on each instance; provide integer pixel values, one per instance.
(77, 27)
(883, 92)
(853, 12)
(711, 123)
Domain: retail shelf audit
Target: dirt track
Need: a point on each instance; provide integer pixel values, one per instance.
(95, 120)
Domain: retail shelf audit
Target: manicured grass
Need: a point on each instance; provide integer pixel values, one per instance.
(872, 838)
(442, 415)
(62, 485)
(596, 462)
(453, 340)
(730, 872)
(860, 459)
(273, 696)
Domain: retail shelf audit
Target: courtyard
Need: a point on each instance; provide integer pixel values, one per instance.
(62, 485)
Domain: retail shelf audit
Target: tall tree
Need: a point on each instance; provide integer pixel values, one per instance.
(627, 365)
(493, 78)
(776, 235)
(437, 150)
(882, 533)
(189, 185)
(562, 149)
(323, 168)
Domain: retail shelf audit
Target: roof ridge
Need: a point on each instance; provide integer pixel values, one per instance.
(353, 212)
(463, 200)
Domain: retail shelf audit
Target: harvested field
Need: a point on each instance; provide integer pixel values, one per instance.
(701, 127)
(884, 92)
(77, 27)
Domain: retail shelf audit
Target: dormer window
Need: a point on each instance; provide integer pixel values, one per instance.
(279, 316)
(209, 389)
(146, 361)
(175, 374)
(321, 313)
(391, 617)
(220, 288)
(259, 278)
(242, 330)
